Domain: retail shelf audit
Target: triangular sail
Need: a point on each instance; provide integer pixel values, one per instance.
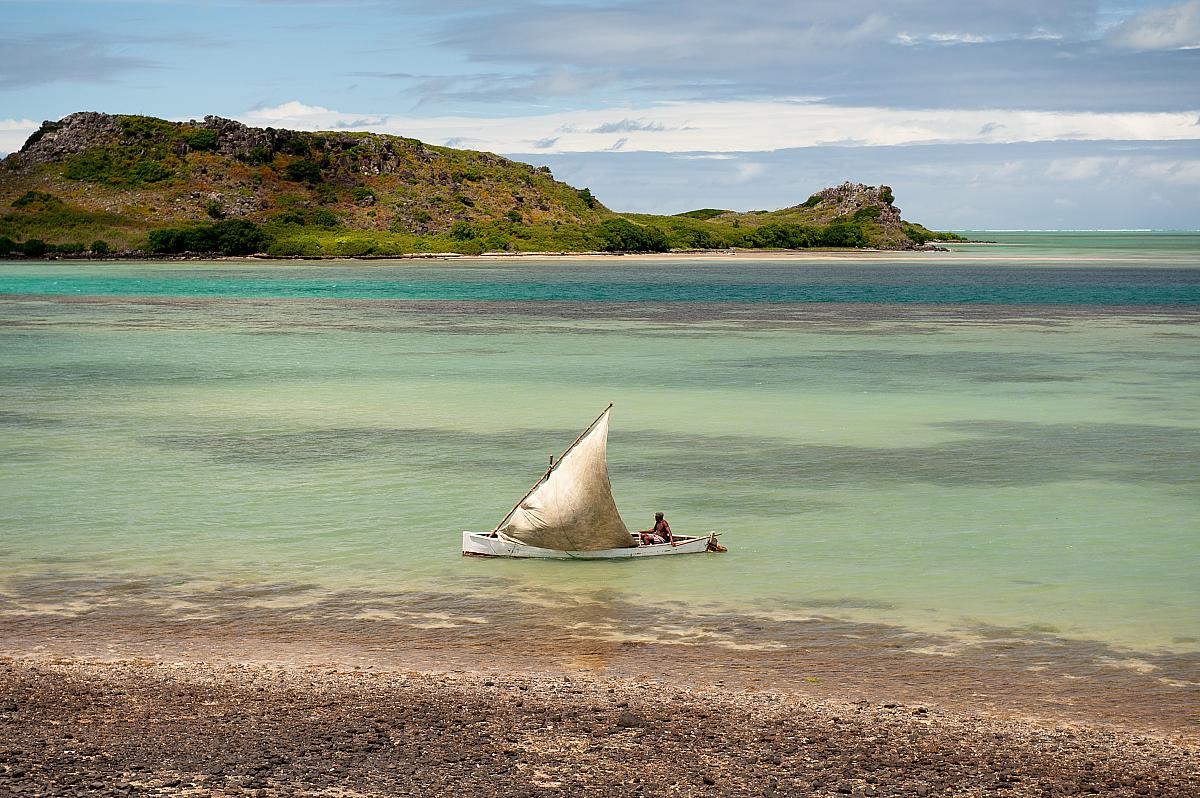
(572, 507)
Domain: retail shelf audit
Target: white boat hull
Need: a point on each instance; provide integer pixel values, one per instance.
(482, 544)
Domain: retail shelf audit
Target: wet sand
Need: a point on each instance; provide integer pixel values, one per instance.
(138, 728)
(1015, 674)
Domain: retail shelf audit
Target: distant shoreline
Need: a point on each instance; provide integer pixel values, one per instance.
(139, 255)
(932, 256)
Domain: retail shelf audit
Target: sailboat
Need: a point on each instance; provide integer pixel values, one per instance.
(570, 513)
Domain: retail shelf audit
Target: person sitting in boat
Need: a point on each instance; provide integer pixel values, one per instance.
(661, 533)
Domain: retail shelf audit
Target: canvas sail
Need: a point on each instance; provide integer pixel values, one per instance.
(572, 507)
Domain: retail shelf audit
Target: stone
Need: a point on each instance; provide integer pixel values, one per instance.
(630, 720)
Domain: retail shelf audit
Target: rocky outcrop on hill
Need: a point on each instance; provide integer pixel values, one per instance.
(849, 198)
(344, 152)
(869, 208)
(72, 134)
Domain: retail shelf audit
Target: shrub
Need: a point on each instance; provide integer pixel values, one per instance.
(202, 140)
(622, 235)
(354, 247)
(169, 240)
(919, 234)
(702, 214)
(463, 231)
(229, 237)
(36, 198)
(146, 172)
(295, 145)
(323, 218)
(362, 194)
(303, 172)
(214, 209)
(843, 234)
(100, 247)
(34, 248)
(470, 248)
(869, 212)
(812, 201)
(149, 128)
(698, 238)
(92, 165)
(585, 194)
(258, 155)
(66, 249)
(887, 196)
(8, 246)
(513, 216)
(290, 217)
(466, 174)
(238, 237)
(776, 235)
(98, 165)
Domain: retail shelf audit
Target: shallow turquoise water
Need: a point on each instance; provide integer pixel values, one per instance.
(958, 441)
(923, 280)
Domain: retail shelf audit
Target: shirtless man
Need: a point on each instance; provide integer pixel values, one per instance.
(661, 533)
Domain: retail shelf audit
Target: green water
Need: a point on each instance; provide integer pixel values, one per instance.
(892, 449)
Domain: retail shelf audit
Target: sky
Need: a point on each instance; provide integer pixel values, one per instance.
(981, 114)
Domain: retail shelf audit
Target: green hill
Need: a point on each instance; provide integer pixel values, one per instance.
(96, 183)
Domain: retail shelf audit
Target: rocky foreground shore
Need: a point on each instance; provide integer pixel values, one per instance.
(70, 728)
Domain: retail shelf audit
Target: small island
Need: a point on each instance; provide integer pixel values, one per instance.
(95, 185)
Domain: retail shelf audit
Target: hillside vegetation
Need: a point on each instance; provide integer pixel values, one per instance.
(98, 183)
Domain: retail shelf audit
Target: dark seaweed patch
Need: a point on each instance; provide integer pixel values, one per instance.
(430, 447)
(892, 368)
(13, 418)
(998, 453)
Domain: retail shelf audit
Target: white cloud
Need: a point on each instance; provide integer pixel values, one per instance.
(13, 133)
(1124, 170)
(909, 39)
(748, 171)
(1180, 173)
(1175, 27)
(705, 156)
(746, 126)
(1081, 168)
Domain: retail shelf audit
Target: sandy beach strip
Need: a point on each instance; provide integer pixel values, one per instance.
(930, 257)
(70, 727)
